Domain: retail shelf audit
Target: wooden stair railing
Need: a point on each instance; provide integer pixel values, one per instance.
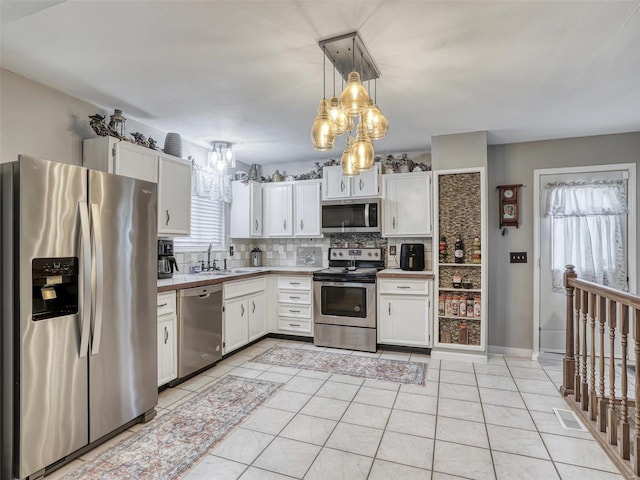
(591, 308)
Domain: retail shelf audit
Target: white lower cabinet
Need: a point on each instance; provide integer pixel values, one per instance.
(295, 305)
(167, 339)
(403, 312)
(244, 312)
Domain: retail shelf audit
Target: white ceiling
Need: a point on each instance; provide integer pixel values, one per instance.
(251, 71)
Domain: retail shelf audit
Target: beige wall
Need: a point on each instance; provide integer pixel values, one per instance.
(511, 285)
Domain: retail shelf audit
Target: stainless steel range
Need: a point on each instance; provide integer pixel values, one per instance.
(345, 299)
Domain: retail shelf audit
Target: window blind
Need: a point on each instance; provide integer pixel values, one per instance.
(207, 226)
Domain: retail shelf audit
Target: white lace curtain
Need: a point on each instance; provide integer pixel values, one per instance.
(587, 232)
(206, 183)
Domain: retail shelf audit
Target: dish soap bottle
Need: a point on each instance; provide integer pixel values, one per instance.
(458, 250)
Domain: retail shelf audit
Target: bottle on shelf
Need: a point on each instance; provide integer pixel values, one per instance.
(455, 305)
(442, 249)
(463, 334)
(477, 306)
(470, 306)
(476, 255)
(462, 309)
(459, 250)
(448, 308)
(441, 305)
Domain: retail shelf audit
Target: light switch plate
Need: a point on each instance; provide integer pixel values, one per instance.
(392, 249)
(518, 257)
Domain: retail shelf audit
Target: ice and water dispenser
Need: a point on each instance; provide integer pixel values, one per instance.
(54, 287)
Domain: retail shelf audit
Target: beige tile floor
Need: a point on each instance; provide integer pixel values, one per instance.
(473, 421)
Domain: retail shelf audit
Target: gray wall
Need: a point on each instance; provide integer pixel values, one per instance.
(460, 150)
(511, 285)
(41, 122)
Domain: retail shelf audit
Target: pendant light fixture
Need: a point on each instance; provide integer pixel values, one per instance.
(322, 131)
(362, 149)
(347, 161)
(337, 116)
(221, 156)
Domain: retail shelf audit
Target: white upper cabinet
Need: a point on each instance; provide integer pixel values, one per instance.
(291, 209)
(407, 205)
(174, 196)
(336, 186)
(278, 209)
(306, 201)
(132, 161)
(172, 174)
(246, 210)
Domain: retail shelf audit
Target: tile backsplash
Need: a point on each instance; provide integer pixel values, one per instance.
(281, 252)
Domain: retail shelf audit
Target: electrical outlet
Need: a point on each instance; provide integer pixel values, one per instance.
(231, 250)
(518, 257)
(392, 249)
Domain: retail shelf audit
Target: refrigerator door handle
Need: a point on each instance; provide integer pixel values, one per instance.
(85, 315)
(99, 292)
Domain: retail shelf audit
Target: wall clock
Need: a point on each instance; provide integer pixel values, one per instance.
(509, 203)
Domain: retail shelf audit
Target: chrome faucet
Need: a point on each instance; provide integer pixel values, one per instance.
(215, 267)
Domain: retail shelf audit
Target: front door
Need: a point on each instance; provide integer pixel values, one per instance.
(552, 303)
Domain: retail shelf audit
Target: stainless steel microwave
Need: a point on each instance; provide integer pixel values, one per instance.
(351, 216)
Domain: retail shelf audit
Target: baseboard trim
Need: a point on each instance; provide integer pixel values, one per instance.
(511, 351)
(459, 356)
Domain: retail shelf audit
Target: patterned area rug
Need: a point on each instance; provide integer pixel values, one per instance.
(167, 447)
(367, 367)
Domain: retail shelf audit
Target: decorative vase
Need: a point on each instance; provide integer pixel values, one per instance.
(403, 169)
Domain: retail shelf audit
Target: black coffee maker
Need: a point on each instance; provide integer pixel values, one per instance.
(166, 260)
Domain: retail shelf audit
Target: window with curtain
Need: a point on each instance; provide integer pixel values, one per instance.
(587, 232)
(210, 191)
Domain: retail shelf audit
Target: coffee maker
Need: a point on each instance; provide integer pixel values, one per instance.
(166, 260)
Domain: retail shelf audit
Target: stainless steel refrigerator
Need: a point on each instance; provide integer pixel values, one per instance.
(79, 355)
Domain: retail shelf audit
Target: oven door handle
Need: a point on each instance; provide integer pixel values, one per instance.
(348, 284)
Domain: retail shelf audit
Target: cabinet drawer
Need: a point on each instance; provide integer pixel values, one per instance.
(294, 325)
(244, 287)
(294, 296)
(297, 311)
(166, 303)
(295, 283)
(404, 286)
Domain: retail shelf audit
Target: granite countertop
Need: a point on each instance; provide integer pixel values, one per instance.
(397, 273)
(180, 280)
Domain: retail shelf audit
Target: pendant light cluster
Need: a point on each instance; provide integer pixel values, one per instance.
(354, 110)
(221, 156)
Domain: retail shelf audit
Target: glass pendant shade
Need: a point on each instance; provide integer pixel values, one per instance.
(362, 149)
(322, 134)
(375, 123)
(213, 158)
(337, 116)
(354, 98)
(347, 161)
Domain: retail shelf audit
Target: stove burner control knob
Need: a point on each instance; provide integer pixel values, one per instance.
(340, 253)
(369, 254)
(375, 254)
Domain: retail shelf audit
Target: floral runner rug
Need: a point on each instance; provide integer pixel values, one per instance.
(346, 364)
(170, 445)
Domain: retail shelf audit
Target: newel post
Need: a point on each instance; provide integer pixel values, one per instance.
(569, 361)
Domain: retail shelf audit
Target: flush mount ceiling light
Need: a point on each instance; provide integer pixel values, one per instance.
(221, 155)
(337, 116)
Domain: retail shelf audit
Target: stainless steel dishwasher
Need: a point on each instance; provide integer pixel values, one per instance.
(199, 328)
